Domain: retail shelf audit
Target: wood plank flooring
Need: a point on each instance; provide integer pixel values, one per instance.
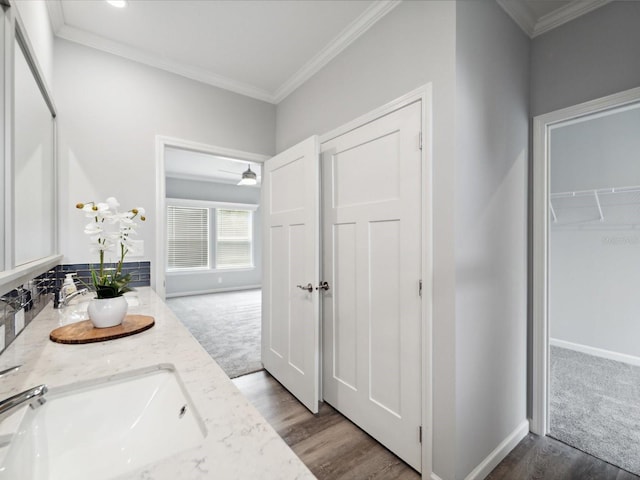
(543, 458)
(335, 449)
(330, 445)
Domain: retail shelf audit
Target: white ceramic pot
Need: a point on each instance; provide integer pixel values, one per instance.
(107, 312)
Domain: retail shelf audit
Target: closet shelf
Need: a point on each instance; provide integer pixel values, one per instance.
(589, 206)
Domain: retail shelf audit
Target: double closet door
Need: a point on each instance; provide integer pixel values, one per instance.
(368, 339)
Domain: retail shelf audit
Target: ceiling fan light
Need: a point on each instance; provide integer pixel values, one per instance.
(249, 177)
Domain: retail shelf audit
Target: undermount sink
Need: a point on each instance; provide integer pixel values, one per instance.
(103, 428)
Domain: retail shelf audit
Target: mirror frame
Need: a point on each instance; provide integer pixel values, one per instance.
(14, 33)
(542, 125)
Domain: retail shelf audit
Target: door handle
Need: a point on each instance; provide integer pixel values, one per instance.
(308, 287)
(323, 286)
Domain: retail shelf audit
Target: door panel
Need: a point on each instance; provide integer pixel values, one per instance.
(290, 315)
(372, 260)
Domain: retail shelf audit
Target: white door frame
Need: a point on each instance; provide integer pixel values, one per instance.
(424, 94)
(160, 267)
(542, 126)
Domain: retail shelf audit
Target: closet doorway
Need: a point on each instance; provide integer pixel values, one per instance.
(592, 253)
(371, 281)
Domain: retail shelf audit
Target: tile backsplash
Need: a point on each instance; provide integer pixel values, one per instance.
(19, 306)
(140, 272)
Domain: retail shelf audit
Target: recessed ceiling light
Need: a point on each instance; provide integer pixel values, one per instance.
(117, 3)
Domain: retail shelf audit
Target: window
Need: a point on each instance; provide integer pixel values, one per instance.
(188, 236)
(233, 238)
(207, 236)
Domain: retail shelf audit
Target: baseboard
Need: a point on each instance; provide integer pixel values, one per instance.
(501, 451)
(596, 352)
(215, 290)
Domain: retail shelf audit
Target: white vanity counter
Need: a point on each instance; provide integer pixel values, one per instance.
(240, 444)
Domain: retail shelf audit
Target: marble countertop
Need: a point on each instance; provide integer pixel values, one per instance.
(240, 444)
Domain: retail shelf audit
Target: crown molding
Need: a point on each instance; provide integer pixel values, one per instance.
(565, 14)
(56, 15)
(350, 34)
(200, 74)
(524, 17)
(520, 14)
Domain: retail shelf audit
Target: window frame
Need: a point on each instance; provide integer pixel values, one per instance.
(212, 206)
(217, 241)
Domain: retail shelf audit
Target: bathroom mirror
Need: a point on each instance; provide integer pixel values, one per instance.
(28, 230)
(33, 168)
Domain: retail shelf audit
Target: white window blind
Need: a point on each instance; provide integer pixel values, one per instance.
(233, 239)
(188, 235)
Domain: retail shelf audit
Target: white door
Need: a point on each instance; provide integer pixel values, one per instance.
(372, 262)
(290, 309)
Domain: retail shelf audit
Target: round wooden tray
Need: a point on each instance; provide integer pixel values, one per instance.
(85, 332)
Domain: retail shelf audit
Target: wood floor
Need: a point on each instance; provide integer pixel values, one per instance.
(543, 458)
(335, 449)
(330, 445)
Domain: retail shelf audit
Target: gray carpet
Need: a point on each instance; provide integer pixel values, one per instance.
(227, 325)
(595, 406)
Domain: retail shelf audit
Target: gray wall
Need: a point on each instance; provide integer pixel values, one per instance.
(594, 274)
(492, 85)
(590, 57)
(412, 45)
(209, 281)
(110, 111)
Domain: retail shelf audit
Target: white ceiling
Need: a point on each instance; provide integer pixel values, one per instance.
(189, 165)
(263, 49)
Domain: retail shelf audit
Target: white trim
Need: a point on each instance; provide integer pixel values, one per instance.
(161, 143)
(565, 14)
(401, 102)
(542, 125)
(500, 452)
(596, 352)
(532, 26)
(186, 202)
(198, 147)
(422, 94)
(434, 476)
(216, 290)
(56, 15)
(351, 33)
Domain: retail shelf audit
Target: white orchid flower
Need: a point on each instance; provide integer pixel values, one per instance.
(93, 228)
(112, 203)
(140, 210)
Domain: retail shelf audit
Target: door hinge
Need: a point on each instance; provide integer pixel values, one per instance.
(420, 287)
(420, 140)
(420, 433)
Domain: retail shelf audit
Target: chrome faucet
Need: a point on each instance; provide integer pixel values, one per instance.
(34, 396)
(62, 300)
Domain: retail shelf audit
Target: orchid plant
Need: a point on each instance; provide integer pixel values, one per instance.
(110, 230)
